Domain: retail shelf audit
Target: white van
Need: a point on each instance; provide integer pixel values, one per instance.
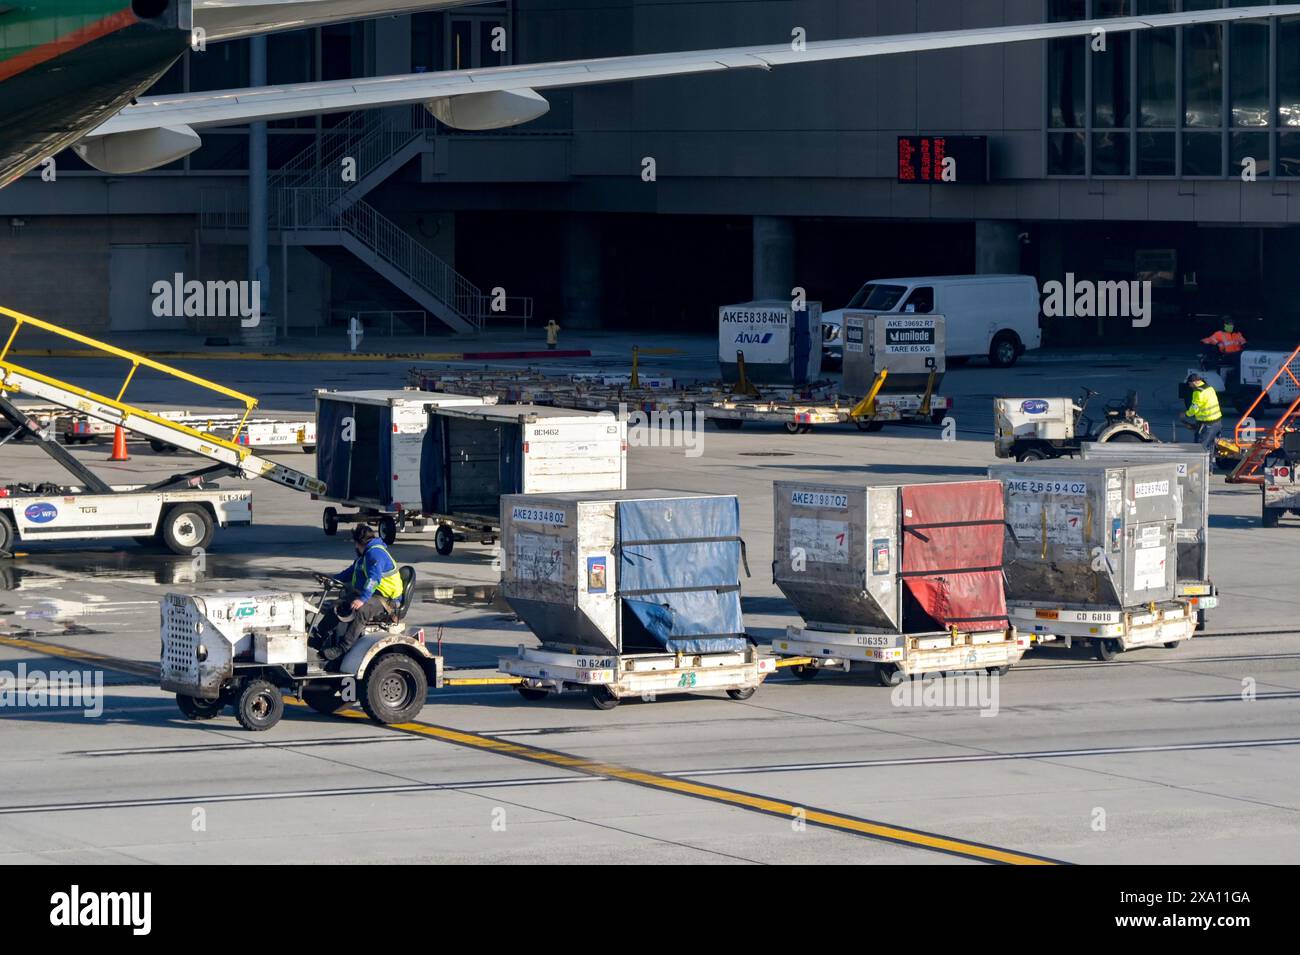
(988, 316)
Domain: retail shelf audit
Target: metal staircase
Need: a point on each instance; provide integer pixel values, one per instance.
(311, 203)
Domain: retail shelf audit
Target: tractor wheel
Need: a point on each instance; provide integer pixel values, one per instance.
(394, 689)
(195, 708)
(259, 705)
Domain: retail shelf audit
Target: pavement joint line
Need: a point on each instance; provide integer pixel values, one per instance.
(753, 802)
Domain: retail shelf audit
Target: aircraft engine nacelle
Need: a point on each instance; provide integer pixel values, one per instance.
(493, 109)
(138, 151)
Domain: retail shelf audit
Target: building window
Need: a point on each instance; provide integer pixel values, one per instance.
(1194, 101)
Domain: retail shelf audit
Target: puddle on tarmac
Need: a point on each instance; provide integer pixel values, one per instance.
(50, 570)
(483, 596)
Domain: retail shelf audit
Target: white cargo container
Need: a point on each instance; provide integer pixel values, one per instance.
(451, 461)
(369, 449)
(781, 344)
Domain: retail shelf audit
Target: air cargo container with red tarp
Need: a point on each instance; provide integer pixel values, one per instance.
(908, 578)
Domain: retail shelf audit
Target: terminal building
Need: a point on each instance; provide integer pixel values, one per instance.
(1171, 156)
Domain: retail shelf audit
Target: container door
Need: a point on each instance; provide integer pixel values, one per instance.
(679, 575)
(952, 555)
(334, 433)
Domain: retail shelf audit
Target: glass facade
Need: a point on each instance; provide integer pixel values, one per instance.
(1194, 102)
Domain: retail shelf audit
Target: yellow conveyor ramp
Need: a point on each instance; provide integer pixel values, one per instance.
(17, 379)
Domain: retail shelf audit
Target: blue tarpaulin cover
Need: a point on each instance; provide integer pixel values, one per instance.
(679, 573)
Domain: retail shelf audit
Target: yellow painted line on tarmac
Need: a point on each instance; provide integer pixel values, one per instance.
(133, 667)
(754, 802)
(249, 355)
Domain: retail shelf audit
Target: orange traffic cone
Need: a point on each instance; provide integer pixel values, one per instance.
(119, 445)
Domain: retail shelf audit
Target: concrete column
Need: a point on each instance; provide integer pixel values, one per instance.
(583, 278)
(773, 258)
(259, 268)
(997, 247)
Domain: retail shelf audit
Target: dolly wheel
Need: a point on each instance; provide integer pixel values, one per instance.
(444, 540)
(1172, 644)
(998, 671)
(805, 672)
(259, 705)
(1105, 650)
(195, 708)
(742, 694)
(388, 531)
(889, 674)
(532, 693)
(603, 698)
(1200, 621)
(330, 521)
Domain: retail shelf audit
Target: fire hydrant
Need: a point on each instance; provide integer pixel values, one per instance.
(552, 335)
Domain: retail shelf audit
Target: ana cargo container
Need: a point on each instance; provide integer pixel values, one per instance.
(1091, 554)
(781, 344)
(1195, 468)
(907, 579)
(631, 593)
(907, 349)
(370, 450)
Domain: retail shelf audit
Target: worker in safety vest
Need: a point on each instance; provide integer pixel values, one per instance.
(373, 587)
(1203, 415)
(1228, 342)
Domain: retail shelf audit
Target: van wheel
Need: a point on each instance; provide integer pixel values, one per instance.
(444, 540)
(259, 706)
(394, 689)
(195, 708)
(185, 528)
(1005, 350)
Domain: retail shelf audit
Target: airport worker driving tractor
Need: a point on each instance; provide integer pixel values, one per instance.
(1203, 414)
(1228, 342)
(373, 587)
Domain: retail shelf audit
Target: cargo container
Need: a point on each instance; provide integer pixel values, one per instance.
(370, 451)
(907, 579)
(909, 347)
(1091, 554)
(1195, 468)
(630, 593)
(781, 344)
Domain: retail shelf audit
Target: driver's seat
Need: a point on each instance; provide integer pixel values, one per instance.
(407, 573)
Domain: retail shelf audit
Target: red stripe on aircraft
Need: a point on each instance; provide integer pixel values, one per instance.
(66, 43)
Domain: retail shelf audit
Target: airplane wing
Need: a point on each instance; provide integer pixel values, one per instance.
(499, 97)
(226, 19)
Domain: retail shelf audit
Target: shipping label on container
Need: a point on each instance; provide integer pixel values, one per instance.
(1149, 567)
(822, 542)
(909, 336)
(822, 499)
(1150, 489)
(763, 334)
(855, 334)
(1068, 488)
(1062, 524)
(536, 557)
(550, 516)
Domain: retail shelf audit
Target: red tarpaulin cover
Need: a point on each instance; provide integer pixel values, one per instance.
(952, 552)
